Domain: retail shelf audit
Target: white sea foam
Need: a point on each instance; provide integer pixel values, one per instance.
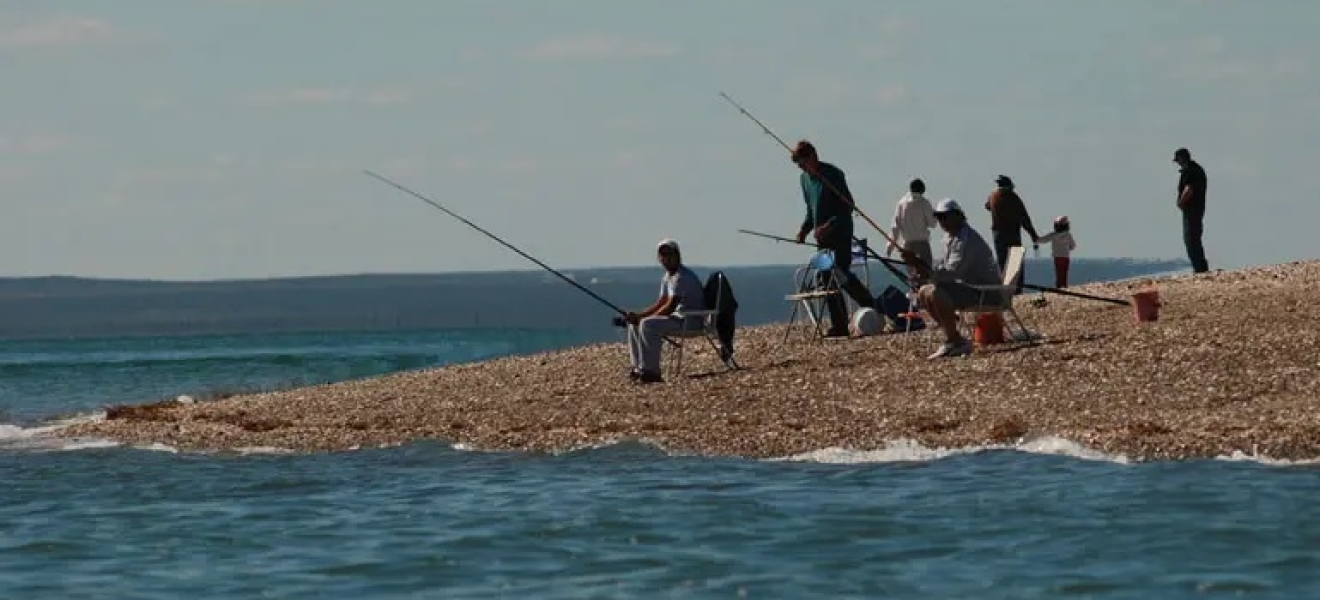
(906, 450)
(42, 438)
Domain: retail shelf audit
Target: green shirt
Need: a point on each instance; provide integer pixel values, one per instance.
(826, 206)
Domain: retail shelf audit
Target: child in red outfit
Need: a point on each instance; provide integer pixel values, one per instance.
(1061, 246)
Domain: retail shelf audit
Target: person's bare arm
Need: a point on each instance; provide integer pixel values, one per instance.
(655, 308)
(665, 306)
(1026, 221)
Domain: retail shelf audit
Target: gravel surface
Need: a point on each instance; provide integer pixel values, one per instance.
(1232, 365)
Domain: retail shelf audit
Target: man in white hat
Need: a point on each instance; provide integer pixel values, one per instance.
(679, 287)
(968, 260)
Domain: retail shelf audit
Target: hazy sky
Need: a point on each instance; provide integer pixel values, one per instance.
(198, 139)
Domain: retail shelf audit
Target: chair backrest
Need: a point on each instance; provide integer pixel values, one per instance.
(1014, 266)
(860, 256)
(822, 260)
(719, 297)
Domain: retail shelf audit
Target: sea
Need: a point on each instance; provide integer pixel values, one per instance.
(1045, 519)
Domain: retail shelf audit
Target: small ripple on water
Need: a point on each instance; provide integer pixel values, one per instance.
(630, 521)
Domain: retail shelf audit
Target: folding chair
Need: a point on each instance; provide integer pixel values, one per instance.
(812, 294)
(999, 299)
(707, 327)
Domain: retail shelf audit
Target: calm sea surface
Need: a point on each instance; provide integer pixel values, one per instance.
(92, 520)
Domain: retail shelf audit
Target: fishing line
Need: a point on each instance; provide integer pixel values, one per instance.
(837, 192)
(492, 236)
(889, 261)
(869, 252)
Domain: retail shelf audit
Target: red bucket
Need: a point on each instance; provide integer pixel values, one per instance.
(1146, 306)
(989, 329)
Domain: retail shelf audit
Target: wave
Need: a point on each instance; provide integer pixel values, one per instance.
(902, 450)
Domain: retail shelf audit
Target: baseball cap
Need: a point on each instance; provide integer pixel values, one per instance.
(1004, 180)
(1181, 153)
(667, 243)
(947, 205)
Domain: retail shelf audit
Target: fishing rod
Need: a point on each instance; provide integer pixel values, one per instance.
(838, 193)
(492, 236)
(887, 261)
(870, 252)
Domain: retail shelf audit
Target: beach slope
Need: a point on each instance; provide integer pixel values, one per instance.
(1231, 366)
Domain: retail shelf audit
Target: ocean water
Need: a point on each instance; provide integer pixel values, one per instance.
(1045, 520)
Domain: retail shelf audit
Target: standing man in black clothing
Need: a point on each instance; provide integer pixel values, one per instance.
(1191, 201)
(1008, 217)
(829, 218)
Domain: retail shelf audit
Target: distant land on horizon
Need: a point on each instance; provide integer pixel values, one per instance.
(62, 306)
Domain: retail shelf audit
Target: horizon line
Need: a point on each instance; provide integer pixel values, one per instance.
(565, 270)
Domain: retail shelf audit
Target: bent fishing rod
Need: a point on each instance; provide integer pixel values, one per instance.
(888, 261)
(492, 236)
(870, 252)
(837, 192)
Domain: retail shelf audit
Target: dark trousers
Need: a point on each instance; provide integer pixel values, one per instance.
(851, 285)
(1193, 228)
(1003, 242)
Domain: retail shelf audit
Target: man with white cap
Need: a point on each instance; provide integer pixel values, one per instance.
(968, 261)
(679, 287)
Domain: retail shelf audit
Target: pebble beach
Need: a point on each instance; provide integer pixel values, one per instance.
(1230, 367)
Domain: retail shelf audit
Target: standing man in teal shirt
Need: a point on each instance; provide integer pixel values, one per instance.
(829, 218)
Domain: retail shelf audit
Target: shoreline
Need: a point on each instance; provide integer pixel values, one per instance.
(1176, 388)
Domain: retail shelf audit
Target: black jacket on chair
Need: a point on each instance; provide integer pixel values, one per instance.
(717, 286)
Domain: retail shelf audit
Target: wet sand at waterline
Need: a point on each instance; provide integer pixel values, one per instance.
(1230, 366)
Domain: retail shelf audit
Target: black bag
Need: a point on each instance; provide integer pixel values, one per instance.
(894, 304)
(717, 286)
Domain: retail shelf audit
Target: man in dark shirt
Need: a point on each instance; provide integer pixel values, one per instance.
(1191, 201)
(829, 217)
(1008, 217)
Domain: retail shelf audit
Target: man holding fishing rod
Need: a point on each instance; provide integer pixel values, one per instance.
(829, 219)
(679, 288)
(968, 261)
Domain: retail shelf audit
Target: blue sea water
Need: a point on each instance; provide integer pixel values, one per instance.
(1048, 520)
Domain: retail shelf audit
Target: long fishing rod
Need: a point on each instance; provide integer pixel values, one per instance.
(870, 252)
(506, 244)
(886, 260)
(837, 192)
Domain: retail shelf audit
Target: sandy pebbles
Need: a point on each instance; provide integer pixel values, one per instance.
(1232, 365)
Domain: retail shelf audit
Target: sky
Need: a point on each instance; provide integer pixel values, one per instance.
(216, 139)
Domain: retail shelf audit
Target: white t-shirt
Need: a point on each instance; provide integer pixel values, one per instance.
(1061, 243)
(913, 219)
(686, 287)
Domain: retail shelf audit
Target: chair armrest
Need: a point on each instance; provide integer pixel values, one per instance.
(694, 313)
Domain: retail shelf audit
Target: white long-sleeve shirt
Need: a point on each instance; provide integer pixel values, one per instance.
(1061, 243)
(913, 219)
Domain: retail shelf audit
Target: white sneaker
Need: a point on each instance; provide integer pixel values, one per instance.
(950, 350)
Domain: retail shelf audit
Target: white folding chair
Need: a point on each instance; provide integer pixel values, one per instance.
(705, 327)
(998, 298)
(810, 292)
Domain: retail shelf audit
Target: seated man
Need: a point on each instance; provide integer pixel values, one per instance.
(968, 261)
(679, 287)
